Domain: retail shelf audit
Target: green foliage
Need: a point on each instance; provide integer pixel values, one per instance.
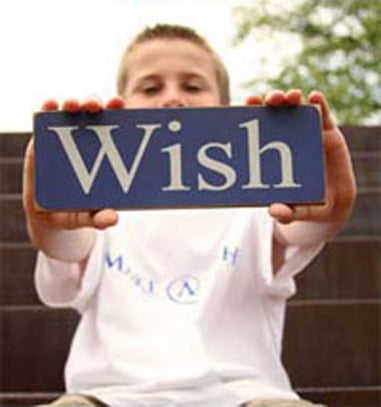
(340, 53)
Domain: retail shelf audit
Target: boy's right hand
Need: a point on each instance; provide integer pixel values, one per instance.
(42, 224)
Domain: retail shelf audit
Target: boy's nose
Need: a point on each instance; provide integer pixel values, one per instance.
(174, 102)
(173, 97)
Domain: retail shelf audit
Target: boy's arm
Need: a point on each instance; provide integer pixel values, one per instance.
(303, 225)
(66, 236)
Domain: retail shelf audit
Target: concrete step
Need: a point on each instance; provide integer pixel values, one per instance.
(332, 396)
(344, 270)
(34, 346)
(366, 396)
(365, 220)
(327, 344)
(333, 343)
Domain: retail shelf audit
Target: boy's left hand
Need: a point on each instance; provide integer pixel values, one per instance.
(340, 180)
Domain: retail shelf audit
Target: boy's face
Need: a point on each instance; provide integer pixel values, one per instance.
(171, 73)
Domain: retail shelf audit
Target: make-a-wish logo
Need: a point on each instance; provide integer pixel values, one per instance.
(184, 289)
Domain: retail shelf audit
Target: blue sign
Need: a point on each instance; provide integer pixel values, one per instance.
(187, 157)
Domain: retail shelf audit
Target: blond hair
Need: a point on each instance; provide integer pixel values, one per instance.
(175, 32)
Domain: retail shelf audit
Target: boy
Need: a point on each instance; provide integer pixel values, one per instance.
(182, 307)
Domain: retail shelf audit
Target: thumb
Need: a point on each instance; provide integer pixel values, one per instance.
(286, 214)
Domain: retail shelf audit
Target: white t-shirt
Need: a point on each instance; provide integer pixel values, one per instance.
(178, 306)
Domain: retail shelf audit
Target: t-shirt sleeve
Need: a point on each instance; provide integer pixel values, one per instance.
(297, 259)
(66, 285)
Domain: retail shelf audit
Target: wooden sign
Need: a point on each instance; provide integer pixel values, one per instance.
(187, 157)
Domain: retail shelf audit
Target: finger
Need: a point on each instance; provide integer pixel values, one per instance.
(92, 105)
(116, 103)
(105, 218)
(100, 219)
(65, 220)
(281, 212)
(318, 98)
(50, 105)
(254, 100)
(275, 98)
(294, 97)
(28, 178)
(71, 106)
